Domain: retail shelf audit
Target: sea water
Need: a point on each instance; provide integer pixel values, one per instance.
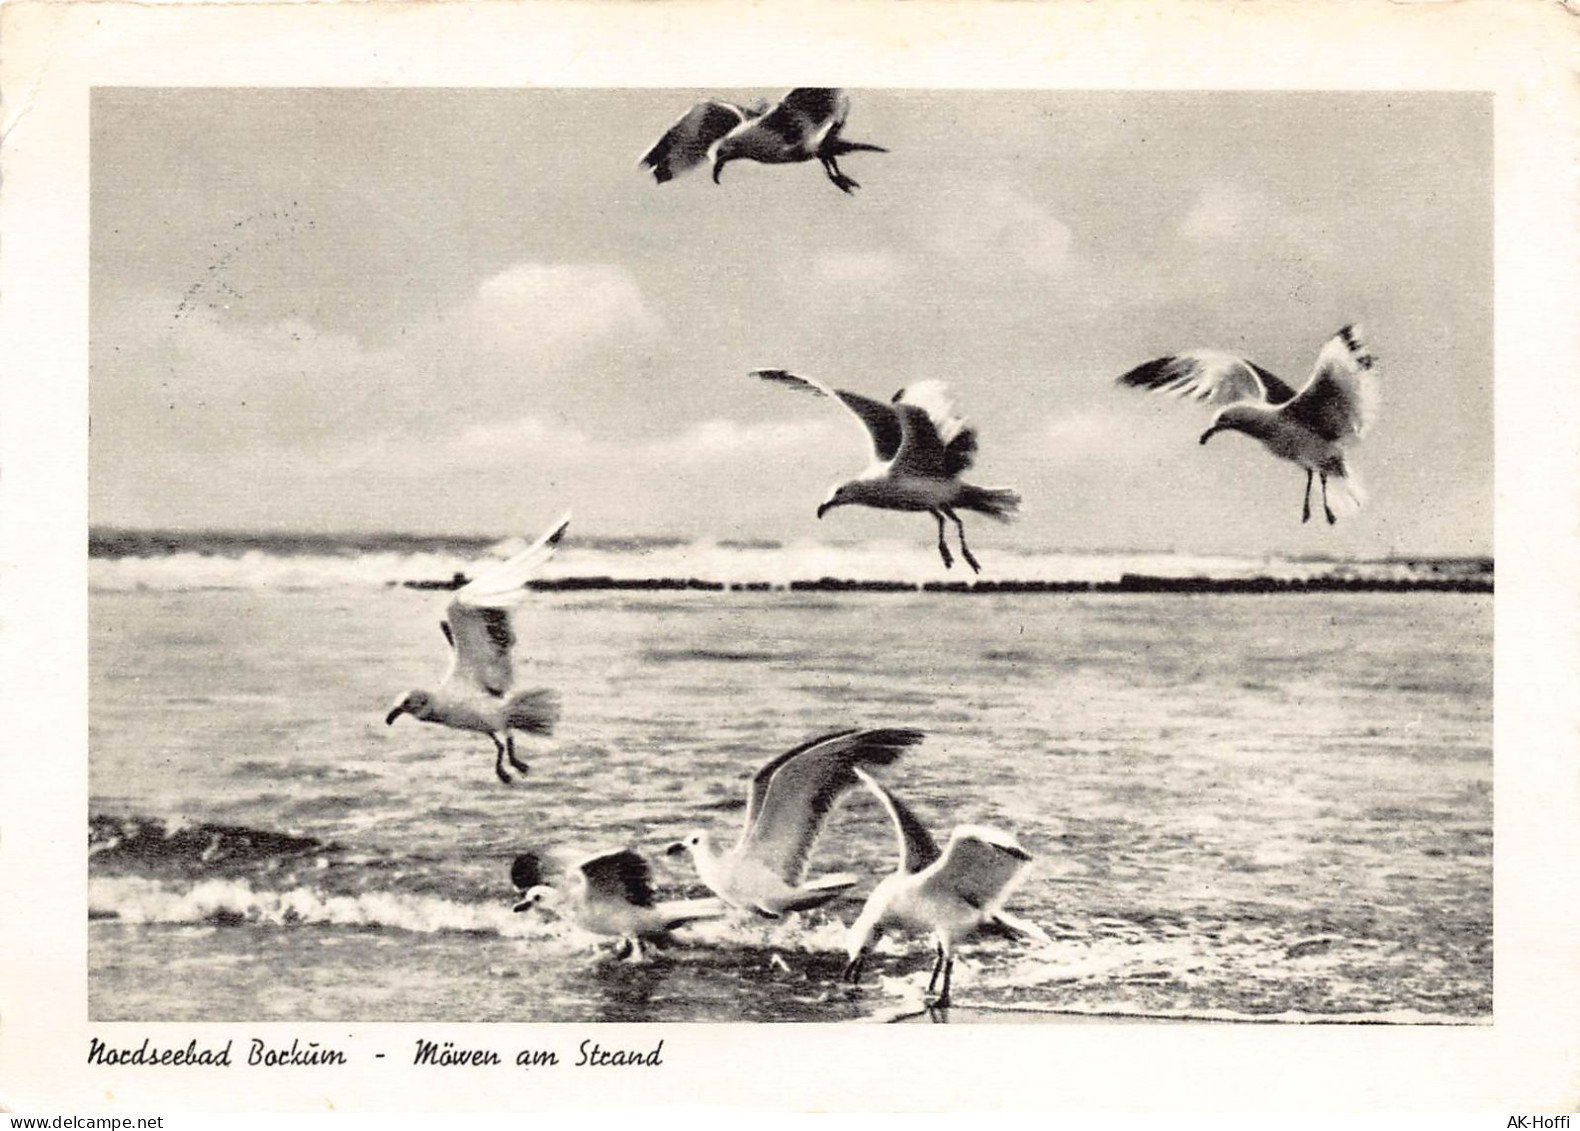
(1242, 806)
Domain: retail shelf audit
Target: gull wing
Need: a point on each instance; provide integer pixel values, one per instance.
(918, 849)
(979, 865)
(803, 789)
(935, 440)
(477, 622)
(619, 877)
(759, 787)
(1341, 399)
(805, 116)
(686, 144)
(1212, 376)
(881, 421)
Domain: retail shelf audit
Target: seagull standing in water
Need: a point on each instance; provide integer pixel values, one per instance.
(610, 894)
(477, 693)
(786, 805)
(920, 447)
(1311, 428)
(954, 894)
(804, 124)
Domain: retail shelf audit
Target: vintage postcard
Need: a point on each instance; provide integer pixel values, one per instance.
(549, 564)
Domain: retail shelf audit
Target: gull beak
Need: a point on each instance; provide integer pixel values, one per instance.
(523, 905)
(676, 849)
(1207, 435)
(718, 167)
(395, 713)
(824, 508)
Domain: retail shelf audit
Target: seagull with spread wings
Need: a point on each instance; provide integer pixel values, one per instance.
(478, 692)
(954, 894)
(610, 893)
(786, 805)
(805, 124)
(920, 448)
(1312, 428)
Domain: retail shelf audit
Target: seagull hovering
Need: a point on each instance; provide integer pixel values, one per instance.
(610, 893)
(786, 805)
(954, 894)
(477, 692)
(804, 124)
(920, 447)
(1312, 427)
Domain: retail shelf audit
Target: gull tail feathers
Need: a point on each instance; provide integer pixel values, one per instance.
(679, 912)
(815, 893)
(1346, 490)
(1015, 928)
(534, 712)
(841, 147)
(995, 502)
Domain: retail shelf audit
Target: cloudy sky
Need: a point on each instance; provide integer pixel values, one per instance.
(464, 310)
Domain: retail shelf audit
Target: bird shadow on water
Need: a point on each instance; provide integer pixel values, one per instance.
(763, 984)
(626, 991)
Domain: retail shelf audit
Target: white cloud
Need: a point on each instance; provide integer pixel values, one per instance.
(716, 439)
(1094, 436)
(989, 227)
(206, 380)
(706, 442)
(543, 307)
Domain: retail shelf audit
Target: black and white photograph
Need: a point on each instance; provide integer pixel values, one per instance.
(937, 549)
(1144, 732)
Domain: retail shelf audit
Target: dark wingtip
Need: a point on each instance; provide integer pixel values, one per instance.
(785, 377)
(1015, 850)
(526, 871)
(883, 747)
(1145, 375)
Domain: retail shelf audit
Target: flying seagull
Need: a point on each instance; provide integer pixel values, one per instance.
(786, 805)
(610, 894)
(920, 447)
(1312, 428)
(804, 124)
(954, 894)
(477, 694)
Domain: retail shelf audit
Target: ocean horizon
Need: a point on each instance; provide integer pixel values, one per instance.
(162, 559)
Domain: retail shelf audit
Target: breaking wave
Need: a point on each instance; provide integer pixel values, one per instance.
(175, 562)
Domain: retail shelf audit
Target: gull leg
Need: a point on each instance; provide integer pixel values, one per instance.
(510, 753)
(960, 528)
(949, 967)
(499, 759)
(1327, 510)
(938, 966)
(841, 182)
(1305, 510)
(943, 547)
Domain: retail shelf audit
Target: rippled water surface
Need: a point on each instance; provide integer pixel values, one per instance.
(1241, 806)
